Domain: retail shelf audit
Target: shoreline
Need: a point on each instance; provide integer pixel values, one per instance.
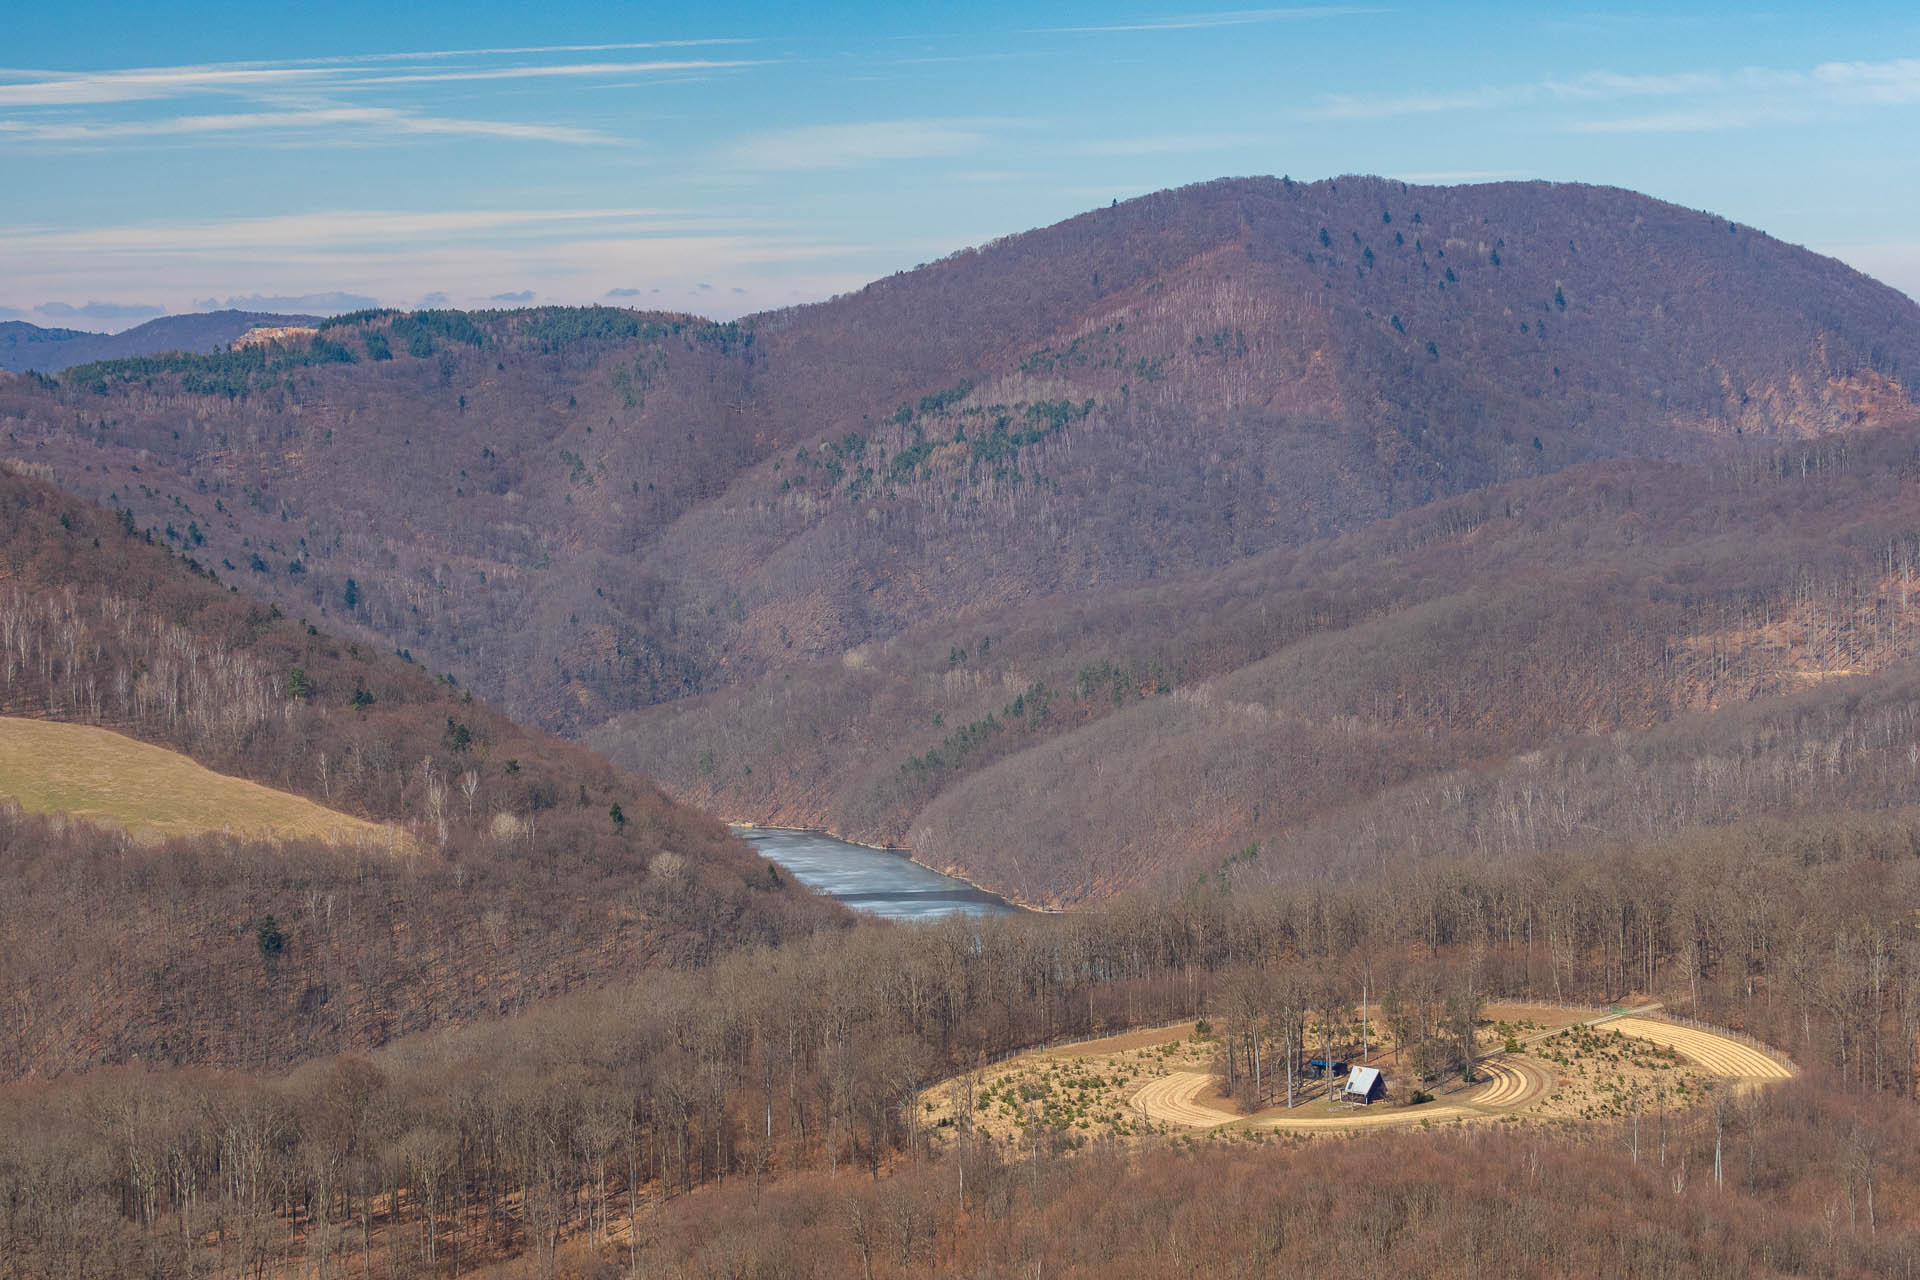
(899, 851)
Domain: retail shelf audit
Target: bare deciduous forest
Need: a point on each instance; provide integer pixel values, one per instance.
(1459, 1204)
(544, 1134)
(1330, 592)
(1621, 648)
(694, 542)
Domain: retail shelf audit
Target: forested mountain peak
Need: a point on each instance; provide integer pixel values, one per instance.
(1565, 291)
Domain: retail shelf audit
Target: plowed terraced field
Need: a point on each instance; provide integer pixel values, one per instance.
(1721, 1055)
(1171, 1100)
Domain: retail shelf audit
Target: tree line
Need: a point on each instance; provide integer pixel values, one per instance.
(1811, 1184)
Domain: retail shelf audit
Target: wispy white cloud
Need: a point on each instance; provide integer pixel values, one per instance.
(41, 88)
(331, 302)
(847, 146)
(341, 63)
(378, 119)
(567, 255)
(1894, 82)
(327, 229)
(523, 50)
(54, 89)
(1756, 97)
(1595, 86)
(1166, 144)
(315, 96)
(651, 82)
(774, 269)
(1224, 18)
(1735, 98)
(550, 70)
(1702, 119)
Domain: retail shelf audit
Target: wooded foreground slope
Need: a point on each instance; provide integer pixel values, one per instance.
(1811, 1184)
(523, 880)
(540, 1138)
(595, 516)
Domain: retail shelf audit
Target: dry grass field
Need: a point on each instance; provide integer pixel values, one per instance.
(104, 777)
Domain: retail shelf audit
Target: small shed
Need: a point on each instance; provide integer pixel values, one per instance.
(1365, 1085)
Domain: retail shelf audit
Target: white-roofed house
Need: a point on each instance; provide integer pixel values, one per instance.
(1365, 1084)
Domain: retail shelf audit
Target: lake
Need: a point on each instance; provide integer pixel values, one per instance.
(878, 881)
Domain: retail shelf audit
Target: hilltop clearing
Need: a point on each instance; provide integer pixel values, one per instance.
(1548, 1066)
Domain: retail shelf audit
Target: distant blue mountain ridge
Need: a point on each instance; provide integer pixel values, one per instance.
(25, 347)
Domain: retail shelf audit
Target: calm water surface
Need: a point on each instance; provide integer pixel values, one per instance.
(866, 879)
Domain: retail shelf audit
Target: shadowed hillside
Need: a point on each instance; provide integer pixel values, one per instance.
(529, 866)
(1683, 640)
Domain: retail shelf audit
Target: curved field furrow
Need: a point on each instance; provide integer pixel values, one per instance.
(1511, 1084)
(1722, 1055)
(1170, 1099)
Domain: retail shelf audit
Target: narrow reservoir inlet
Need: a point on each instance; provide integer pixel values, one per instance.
(878, 881)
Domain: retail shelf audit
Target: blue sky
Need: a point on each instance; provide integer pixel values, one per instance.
(730, 159)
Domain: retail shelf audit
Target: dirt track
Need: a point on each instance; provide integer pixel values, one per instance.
(1514, 1084)
(1511, 1084)
(1173, 1100)
(1568, 1066)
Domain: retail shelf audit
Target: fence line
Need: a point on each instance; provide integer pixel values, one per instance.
(1068, 1041)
